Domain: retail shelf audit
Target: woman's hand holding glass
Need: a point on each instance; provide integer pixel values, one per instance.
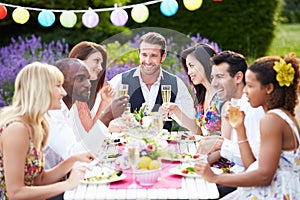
(170, 108)
(234, 115)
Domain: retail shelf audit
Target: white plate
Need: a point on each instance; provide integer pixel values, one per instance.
(105, 181)
(187, 159)
(177, 171)
(170, 137)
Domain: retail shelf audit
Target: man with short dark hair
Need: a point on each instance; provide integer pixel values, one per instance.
(228, 78)
(145, 80)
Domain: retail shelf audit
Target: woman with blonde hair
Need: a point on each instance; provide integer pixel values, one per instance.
(24, 133)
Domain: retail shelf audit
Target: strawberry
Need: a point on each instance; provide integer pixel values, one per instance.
(184, 171)
(196, 156)
(192, 137)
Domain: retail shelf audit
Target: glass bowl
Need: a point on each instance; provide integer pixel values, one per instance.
(147, 177)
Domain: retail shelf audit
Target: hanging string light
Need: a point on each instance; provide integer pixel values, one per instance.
(46, 18)
(169, 7)
(140, 13)
(20, 15)
(192, 4)
(3, 12)
(118, 17)
(90, 18)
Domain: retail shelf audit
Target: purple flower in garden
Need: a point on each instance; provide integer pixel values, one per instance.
(22, 52)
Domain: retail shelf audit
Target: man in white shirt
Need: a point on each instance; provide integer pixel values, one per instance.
(228, 78)
(67, 135)
(145, 80)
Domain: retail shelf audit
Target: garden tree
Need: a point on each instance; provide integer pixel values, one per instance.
(291, 11)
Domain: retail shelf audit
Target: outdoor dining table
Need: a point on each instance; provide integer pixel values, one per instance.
(191, 187)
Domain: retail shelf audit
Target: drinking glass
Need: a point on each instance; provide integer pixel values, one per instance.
(157, 121)
(127, 110)
(123, 90)
(166, 97)
(133, 156)
(234, 112)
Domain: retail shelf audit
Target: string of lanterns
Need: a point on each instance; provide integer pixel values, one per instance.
(90, 18)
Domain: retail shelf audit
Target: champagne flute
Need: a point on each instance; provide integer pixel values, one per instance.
(157, 121)
(123, 90)
(133, 156)
(166, 97)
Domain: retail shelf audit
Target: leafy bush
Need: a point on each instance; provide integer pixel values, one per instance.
(291, 11)
(121, 58)
(244, 26)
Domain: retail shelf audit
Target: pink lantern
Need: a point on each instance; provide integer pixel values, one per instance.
(90, 19)
(3, 12)
(119, 17)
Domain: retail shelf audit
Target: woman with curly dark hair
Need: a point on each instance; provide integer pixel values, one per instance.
(273, 83)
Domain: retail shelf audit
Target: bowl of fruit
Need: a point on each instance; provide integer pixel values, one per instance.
(148, 171)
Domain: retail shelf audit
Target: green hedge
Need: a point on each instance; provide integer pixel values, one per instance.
(245, 26)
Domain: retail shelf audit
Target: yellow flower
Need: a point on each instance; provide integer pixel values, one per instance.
(285, 73)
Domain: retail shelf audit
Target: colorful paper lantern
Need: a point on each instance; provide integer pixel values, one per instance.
(140, 13)
(20, 15)
(46, 18)
(169, 7)
(3, 12)
(90, 19)
(192, 4)
(68, 19)
(119, 17)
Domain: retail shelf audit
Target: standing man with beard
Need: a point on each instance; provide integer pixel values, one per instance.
(145, 80)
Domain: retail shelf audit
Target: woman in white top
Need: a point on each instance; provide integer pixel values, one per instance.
(271, 82)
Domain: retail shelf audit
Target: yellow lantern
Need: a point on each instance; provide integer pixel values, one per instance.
(140, 13)
(20, 15)
(192, 4)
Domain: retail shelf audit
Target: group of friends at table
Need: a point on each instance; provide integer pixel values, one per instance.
(60, 114)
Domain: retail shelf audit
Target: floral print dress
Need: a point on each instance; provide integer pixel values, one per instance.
(286, 182)
(210, 119)
(34, 165)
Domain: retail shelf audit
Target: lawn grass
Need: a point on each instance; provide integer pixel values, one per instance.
(286, 40)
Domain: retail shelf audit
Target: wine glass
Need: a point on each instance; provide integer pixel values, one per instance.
(166, 97)
(133, 156)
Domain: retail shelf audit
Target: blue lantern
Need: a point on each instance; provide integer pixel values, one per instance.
(46, 18)
(169, 7)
